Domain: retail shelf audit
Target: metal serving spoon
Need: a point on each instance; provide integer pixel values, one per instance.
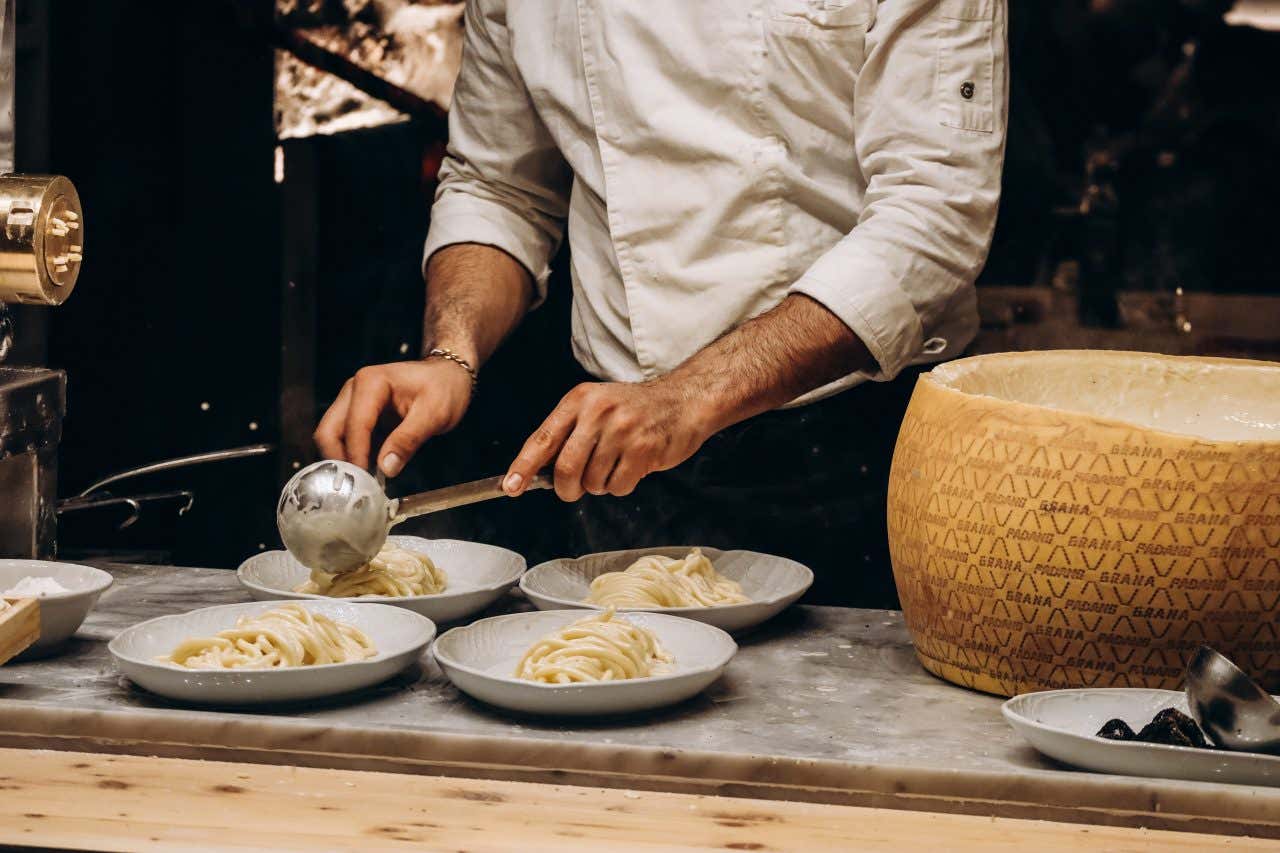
(1232, 709)
(335, 517)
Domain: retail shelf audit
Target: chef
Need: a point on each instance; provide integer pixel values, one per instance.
(775, 208)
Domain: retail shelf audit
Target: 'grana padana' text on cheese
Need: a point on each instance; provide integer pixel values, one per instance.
(1089, 518)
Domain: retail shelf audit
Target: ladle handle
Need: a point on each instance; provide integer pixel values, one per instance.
(459, 495)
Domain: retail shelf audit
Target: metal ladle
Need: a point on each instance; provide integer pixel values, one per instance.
(335, 517)
(1232, 709)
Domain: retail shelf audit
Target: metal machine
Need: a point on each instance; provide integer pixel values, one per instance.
(41, 250)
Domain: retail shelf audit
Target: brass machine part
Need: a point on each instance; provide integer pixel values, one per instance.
(41, 239)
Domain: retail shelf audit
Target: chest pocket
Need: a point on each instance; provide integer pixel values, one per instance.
(966, 84)
(814, 50)
(821, 20)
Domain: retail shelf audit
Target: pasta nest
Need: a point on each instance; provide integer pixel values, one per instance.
(657, 581)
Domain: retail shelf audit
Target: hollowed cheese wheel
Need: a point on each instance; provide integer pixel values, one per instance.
(1089, 518)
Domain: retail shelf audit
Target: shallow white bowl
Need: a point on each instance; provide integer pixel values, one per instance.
(478, 575)
(772, 583)
(1062, 723)
(481, 657)
(60, 613)
(399, 635)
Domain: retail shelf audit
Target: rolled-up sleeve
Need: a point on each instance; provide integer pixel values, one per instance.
(503, 182)
(930, 117)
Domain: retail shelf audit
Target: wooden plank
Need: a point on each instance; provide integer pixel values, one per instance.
(19, 626)
(87, 801)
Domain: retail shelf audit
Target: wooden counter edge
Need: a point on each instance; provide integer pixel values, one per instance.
(75, 800)
(1110, 800)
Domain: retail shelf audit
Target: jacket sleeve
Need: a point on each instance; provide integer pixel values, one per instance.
(930, 115)
(503, 182)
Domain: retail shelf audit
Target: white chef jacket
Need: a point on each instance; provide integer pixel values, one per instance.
(709, 157)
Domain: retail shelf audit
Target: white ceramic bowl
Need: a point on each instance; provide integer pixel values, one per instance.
(481, 657)
(60, 613)
(399, 635)
(772, 583)
(478, 575)
(1062, 725)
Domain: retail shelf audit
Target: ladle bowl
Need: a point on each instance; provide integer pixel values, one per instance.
(333, 516)
(1232, 709)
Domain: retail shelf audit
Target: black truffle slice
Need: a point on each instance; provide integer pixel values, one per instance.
(1116, 729)
(1165, 732)
(1185, 725)
(1170, 727)
(1173, 728)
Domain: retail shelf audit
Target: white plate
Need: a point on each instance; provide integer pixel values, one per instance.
(772, 583)
(62, 612)
(1062, 723)
(481, 657)
(478, 576)
(399, 635)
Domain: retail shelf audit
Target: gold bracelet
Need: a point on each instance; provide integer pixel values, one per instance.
(450, 355)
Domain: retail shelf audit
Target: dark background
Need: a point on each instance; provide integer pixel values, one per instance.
(161, 114)
(164, 124)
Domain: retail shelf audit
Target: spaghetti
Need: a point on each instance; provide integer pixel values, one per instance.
(599, 648)
(395, 572)
(657, 581)
(290, 635)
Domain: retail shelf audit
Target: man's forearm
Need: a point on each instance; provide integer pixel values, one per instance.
(769, 361)
(606, 436)
(476, 295)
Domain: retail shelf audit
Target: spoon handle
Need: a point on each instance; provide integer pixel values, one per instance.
(459, 495)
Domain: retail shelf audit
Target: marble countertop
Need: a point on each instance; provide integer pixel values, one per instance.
(824, 704)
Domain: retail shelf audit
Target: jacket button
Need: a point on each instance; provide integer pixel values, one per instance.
(966, 89)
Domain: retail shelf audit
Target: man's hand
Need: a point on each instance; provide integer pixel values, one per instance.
(475, 296)
(605, 436)
(426, 397)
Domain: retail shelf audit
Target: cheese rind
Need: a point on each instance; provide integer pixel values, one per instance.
(1053, 543)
